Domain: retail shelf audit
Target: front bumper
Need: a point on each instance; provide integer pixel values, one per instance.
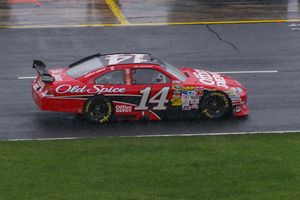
(240, 108)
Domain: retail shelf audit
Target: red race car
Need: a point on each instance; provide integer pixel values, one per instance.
(136, 86)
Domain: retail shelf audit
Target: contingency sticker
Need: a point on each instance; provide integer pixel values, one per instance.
(186, 97)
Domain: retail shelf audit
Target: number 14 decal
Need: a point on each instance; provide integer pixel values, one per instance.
(160, 98)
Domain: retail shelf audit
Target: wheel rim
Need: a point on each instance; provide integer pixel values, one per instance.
(216, 105)
(99, 110)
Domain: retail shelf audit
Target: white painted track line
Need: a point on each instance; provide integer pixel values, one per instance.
(215, 134)
(164, 135)
(46, 139)
(26, 77)
(248, 72)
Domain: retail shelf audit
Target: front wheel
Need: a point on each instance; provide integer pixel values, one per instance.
(215, 105)
(98, 109)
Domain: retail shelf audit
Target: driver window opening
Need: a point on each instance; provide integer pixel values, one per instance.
(148, 76)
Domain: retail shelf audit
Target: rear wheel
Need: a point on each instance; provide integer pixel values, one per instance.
(215, 105)
(98, 109)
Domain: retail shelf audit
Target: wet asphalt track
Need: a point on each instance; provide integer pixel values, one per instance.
(274, 98)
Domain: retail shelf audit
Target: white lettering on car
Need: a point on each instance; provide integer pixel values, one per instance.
(219, 80)
(138, 58)
(123, 108)
(160, 98)
(210, 79)
(97, 89)
(115, 59)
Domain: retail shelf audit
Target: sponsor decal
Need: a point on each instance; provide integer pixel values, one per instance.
(123, 108)
(176, 92)
(36, 86)
(187, 97)
(190, 93)
(176, 96)
(210, 78)
(190, 100)
(188, 88)
(96, 89)
(176, 87)
(176, 100)
(199, 91)
(194, 99)
(127, 76)
(234, 97)
(237, 109)
(185, 101)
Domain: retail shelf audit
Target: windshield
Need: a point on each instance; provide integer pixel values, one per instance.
(85, 67)
(174, 71)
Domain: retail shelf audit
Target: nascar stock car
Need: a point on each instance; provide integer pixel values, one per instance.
(136, 86)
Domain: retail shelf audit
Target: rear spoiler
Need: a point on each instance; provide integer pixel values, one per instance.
(41, 69)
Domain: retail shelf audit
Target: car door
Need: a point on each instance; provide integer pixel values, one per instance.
(154, 88)
(110, 83)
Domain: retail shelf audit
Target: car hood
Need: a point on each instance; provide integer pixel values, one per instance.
(209, 79)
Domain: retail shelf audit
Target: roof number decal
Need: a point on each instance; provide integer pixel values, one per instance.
(119, 58)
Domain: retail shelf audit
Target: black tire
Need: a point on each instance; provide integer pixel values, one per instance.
(98, 109)
(215, 105)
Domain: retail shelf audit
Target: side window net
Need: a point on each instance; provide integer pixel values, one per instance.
(148, 76)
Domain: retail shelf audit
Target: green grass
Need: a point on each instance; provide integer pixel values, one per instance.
(219, 167)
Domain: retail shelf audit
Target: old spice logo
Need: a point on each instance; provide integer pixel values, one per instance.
(96, 89)
(205, 78)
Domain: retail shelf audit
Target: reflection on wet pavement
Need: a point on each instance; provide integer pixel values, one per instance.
(50, 12)
(74, 12)
(203, 10)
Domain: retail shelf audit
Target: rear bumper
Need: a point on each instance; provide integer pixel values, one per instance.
(57, 104)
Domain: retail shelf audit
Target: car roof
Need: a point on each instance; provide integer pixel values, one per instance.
(121, 58)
